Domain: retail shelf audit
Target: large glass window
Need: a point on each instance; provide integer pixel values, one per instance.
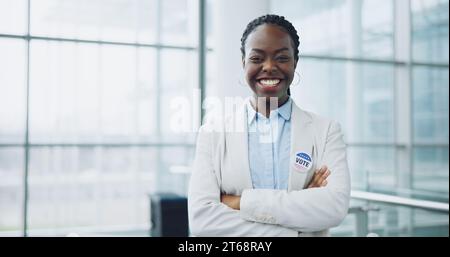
(430, 30)
(431, 171)
(363, 94)
(430, 130)
(11, 190)
(13, 17)
(91, 93)
(117, 20)
(350, 28)
(74, 188)
(178, 22)
(92, 140)
(366, 171)
(178, 95)
(13, 90)
(392, 103)
(359, 95)
(430, 110)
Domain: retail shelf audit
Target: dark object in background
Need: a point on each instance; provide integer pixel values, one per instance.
(169, 215)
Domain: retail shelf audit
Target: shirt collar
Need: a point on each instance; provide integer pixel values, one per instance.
(284, 111)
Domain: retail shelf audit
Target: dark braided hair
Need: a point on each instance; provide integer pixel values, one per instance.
(276, 20)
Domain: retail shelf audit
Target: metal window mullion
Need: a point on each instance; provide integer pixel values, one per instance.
(158, 101)
(104, 145)
(403, 104)
(402, 93)
(27, 137)
(102, 42)
(202, 54)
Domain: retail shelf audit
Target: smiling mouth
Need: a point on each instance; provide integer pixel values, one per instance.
(269, 83)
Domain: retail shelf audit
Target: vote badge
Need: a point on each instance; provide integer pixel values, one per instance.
(303, 161)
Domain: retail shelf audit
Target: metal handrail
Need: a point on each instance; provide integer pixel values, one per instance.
(400, 201)
(361, 212)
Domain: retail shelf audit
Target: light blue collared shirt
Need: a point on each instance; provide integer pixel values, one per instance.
(269, 143)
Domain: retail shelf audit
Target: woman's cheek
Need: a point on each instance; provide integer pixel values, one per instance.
(250, 75)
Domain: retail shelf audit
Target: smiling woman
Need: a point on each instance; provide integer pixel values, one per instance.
(269, 58)
(286, 174)
(269, 65)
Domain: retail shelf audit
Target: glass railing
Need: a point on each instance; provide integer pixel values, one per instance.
(376, 214)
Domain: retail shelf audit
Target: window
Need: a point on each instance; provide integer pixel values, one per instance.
(94, 145)
(393, 108)
(11, 190)
(430, 30)
(13, 90)
(80, 187)
(430, 97)
(359, 95)
(430, 109)
(348, 28)
(13, 17)
(117, 20)
(86, 93)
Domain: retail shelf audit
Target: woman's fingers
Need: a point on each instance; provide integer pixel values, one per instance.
(323, 177)
(317, 174)
(319, 177)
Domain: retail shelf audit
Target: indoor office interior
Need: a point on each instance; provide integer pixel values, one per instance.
(87, 89)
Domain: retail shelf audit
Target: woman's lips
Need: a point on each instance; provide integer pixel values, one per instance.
(268, 83)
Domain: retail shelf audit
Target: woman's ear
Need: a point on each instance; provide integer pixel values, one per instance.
(243, 62)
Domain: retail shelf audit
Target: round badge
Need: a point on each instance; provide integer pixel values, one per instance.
(303, 161)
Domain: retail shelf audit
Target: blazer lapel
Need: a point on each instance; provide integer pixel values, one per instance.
(301, 142)
(237, 144)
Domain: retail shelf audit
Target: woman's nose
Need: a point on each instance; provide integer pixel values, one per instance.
(269, 66)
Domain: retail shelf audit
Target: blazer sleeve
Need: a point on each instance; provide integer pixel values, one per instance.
(207, 215)
(306, 210)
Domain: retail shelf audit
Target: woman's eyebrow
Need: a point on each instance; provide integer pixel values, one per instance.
(282, 49)
(276, 51)
(257, 50)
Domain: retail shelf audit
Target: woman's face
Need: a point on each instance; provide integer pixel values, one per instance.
(269, 62)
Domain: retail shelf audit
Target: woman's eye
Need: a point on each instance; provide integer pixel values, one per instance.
(255, 59)
(283, 58)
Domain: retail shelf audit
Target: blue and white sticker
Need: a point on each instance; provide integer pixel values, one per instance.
(303, 161)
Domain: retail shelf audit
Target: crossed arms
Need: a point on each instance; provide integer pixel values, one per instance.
(265, 212)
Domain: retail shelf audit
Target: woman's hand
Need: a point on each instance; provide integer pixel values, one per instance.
(319, 178)
(232, 201)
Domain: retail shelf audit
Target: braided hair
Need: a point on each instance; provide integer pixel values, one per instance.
(276, 20)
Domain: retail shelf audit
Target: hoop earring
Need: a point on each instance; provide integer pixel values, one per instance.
(298, 79)
(241, 82)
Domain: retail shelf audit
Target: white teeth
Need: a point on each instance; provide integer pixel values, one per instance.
(269, 81)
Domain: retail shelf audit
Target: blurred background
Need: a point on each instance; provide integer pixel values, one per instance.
(85, 87)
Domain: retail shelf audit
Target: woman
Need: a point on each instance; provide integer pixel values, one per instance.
(286, 173)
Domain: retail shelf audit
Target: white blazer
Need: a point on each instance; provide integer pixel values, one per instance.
(221, 165)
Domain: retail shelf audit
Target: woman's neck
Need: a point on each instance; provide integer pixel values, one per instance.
(265, 105)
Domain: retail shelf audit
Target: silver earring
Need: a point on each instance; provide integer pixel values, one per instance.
(297, 74)
(241, 81)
